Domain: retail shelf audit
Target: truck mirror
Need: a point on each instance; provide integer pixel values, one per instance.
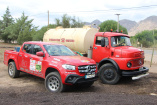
(102, 42)
(41, 54)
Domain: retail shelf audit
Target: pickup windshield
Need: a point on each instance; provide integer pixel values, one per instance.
(120, 41)
(58, 50)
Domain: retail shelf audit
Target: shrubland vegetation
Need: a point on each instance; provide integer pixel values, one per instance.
(147, 38)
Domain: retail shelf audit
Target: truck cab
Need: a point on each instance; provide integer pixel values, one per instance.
(116, 57)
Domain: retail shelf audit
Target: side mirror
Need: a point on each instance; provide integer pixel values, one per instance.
(102, 42)
(41, 54)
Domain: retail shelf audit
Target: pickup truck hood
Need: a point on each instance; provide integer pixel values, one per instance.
(129, 52)
(73, 60)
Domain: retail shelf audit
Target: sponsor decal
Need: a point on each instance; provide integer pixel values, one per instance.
(62, 40)
(117, 55)
(35, 65)
(70, 72)
(69, 40)
(53, 61)
(54, 40)
(85, 61)
(56, 59)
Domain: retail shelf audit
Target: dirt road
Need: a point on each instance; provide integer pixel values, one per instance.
(30, 90)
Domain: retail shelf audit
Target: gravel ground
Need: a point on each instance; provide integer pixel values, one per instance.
(30, 90)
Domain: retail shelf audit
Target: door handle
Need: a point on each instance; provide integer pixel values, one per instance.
(30, 57)
(20, 55)
(95, 47)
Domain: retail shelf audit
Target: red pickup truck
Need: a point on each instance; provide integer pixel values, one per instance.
(56, 63)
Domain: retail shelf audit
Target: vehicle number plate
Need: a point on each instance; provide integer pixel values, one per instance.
(89, 76)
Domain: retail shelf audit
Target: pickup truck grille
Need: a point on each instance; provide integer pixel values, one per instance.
(87, 68)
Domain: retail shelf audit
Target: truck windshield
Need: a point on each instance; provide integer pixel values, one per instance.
(58, 50)
(120, 41)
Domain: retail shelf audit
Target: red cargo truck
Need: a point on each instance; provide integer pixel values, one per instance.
(56, 63)
(116, 57)
(112, 51)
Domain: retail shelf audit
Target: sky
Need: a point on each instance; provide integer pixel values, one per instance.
(85, 10)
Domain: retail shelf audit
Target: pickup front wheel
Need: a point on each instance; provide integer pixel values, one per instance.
(53, 82)
(12, 70)
(108, 74)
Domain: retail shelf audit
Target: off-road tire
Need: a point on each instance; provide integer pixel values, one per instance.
(12, 70)
(108, 74)
(53, 82)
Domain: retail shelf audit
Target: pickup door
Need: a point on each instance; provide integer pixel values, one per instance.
(30, 62)
(24, 57)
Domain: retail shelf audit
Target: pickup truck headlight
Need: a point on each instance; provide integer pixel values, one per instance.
(68, 67)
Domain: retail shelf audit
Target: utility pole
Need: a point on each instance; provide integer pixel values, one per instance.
(118, 22)
(153, 49)
(48, 20)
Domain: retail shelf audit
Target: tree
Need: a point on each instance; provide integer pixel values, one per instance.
(111, 24)
(6, 22)
(25, 29)
(40, 33)
(76, 23)
(155, 34)
(145, 38)
(0, 29)
(67, 22)
(58, 23)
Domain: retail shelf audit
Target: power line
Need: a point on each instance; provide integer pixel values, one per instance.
(110, 9)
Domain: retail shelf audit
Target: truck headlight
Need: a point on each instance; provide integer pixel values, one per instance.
(129, 64)
(68, 67)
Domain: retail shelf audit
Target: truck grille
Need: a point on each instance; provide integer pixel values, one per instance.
(87, 68)
(137, 62)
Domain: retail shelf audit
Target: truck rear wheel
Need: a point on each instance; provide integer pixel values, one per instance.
(108, 74)
(53, 82)
(12, 70)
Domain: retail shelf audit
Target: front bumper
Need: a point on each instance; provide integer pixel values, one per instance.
(132, 73)
(74, 79)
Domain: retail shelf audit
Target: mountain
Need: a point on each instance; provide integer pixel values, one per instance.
(128, 24)
(97, 22)
(133, 27)
(149, 23)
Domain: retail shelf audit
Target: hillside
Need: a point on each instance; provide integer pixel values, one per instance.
(149, 23)
(128, 24)
(133, 27)
(97, 22)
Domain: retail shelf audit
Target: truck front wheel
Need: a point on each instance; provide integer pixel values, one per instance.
(53, 82)
(108, 74)
(12, 70)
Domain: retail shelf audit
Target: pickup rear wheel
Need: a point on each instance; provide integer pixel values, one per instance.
(12, 70)
(108, 74)
(53, 82)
